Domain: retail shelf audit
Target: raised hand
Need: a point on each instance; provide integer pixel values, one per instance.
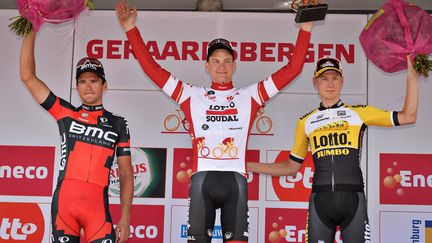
(307, 26)
(125, 15)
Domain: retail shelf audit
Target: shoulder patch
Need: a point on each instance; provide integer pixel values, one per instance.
(359, 106)
(307, 114)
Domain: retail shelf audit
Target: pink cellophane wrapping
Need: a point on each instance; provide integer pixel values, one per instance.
(52, 11)
(396, 30)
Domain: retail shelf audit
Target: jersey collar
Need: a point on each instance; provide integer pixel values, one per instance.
(224, 86)
(91, 108)
(337, 105)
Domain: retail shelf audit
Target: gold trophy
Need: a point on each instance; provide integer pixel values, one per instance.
(309, 10)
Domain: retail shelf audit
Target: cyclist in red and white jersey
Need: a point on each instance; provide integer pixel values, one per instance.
(90, 138)
(216, 113)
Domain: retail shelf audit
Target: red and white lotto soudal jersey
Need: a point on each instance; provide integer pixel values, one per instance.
(221, 116)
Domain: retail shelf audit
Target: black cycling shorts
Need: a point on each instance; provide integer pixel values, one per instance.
(346, 209)
(210, 190)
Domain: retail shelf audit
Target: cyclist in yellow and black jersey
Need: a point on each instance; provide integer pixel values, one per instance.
(334, 132)
(335, 136)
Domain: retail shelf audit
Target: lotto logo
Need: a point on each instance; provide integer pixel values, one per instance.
(21, 222)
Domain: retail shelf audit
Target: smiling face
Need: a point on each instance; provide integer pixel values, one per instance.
(90, 88)
(329, 85)
(221, 66)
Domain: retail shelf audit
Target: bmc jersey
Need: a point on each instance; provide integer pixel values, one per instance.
(221, 116)
(335, 136)
(90, 137)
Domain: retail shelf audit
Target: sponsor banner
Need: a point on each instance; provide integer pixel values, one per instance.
(290, 188)
(410, 227)
(183, 54)
(149, 166)
(405, 179)
(288, 225)
(179, 225)
(26, 170)
(147, 222)
(23, 222)
(182, 171)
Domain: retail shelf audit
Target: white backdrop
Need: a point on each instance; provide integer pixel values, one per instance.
(132, 95)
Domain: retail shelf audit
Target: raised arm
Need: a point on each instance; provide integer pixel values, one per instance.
(127, 17)
(289, 72)
(285, 168)
(408, 115)
(28, 69)
(281, 78)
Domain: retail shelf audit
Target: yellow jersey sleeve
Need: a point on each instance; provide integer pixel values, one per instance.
(301, 142)
(373, 116)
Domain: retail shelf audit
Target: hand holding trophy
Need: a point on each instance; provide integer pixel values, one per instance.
(309, 10)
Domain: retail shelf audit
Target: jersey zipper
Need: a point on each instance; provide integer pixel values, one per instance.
(90, 163)
(331, 144)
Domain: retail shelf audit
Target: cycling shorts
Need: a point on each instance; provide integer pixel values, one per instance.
(211, 190)
(79, 204)
(329, 209)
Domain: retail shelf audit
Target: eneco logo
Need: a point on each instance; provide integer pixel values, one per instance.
(21, 172)
(405, 179)
(298, 187)
(26, 170)
(21, 222)
(143, 231)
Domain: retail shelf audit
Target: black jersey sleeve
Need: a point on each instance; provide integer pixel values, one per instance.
(123, 144)
(57, 107)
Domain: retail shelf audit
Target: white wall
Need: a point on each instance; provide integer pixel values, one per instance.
(132, 95)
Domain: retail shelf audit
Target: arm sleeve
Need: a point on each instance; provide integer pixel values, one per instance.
(373, 116)
(281, 78)
(57, 107)
(123, 144)
(161, 77)
(301, 143)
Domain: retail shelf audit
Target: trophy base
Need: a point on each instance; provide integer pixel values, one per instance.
(311, 13)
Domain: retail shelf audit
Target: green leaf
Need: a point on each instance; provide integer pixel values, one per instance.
(422, 65)
(20, 26)
(90, 4)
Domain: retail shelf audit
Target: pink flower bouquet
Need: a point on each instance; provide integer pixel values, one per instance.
(35, 12)
(397, 29)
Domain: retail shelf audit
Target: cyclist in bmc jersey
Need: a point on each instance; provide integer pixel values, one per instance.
(90, 138)
(334, 132)
(216, 113)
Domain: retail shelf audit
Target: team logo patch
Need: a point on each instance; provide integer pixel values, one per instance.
(341, 113)
(103, 121)
(63, 239)
(228, 235)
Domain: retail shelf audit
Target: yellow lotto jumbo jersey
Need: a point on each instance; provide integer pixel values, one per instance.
(335, 137)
